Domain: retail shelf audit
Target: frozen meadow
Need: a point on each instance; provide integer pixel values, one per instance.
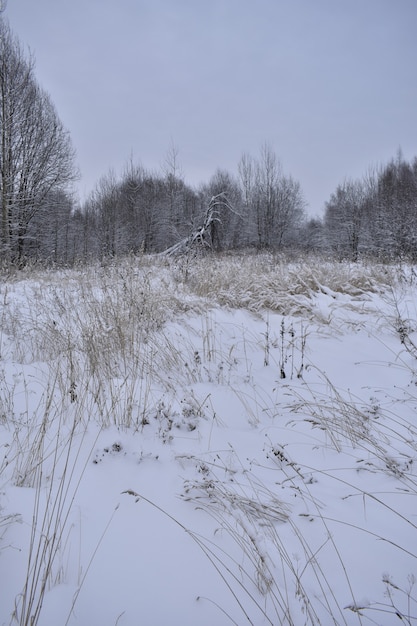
(217, 440)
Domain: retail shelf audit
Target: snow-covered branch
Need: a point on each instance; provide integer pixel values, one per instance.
(202, 235)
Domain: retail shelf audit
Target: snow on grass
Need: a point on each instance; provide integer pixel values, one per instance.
(222, 440)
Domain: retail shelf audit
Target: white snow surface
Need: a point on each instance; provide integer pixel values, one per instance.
(177, 477)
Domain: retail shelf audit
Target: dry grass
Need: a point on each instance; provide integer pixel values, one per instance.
(97, 341)
(268, 282)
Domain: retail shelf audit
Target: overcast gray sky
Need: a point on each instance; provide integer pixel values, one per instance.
(331, 85)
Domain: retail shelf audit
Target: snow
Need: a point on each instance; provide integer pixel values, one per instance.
(152, 449)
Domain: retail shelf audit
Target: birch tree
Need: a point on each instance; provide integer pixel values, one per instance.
(36, 154)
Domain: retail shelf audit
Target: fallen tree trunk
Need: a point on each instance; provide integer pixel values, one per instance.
(201, 236)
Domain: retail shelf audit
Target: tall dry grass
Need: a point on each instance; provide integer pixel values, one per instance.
(115, 345)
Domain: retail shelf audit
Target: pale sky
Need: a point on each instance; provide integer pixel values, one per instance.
(330, 85)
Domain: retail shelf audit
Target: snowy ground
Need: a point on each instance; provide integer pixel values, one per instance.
(208, 442)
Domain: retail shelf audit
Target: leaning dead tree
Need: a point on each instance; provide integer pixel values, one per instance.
(202, 237)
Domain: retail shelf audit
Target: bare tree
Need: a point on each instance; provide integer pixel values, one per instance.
(396, 201)
(36, 154)
(104, 203)
(50, 233)
(274, 202)
(344, 219)
(229, 230)
(175, 221)
(375, 215)
(246, 169)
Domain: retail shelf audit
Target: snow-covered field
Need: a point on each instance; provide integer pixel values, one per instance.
(209, 441)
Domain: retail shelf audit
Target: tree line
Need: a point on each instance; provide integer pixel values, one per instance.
(139, 211)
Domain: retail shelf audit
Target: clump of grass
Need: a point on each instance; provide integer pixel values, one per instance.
(56, 470)
(401, 603)
(260, 524)
(265, 281)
